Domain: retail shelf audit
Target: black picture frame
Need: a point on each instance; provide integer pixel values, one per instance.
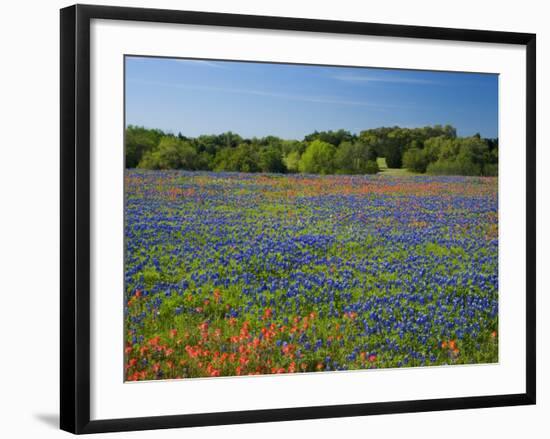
(75, 217)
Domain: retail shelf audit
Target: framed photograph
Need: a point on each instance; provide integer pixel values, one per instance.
(273, 218)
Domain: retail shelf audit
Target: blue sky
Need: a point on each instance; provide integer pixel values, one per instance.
(197, 97)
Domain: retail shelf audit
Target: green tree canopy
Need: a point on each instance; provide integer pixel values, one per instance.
(415, 159)
(354, 158)
(335, 138)
(138, 141)
(243, 158)
(318, 158)
(271, 160)
(433, 149)
(171, 153)
(292, 161)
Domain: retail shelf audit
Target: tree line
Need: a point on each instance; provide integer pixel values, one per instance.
(433, 149)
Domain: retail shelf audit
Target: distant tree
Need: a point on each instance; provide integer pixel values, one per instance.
(205, 161)
(373, 142)
(393, 156)
(292, 161)
(395, 144)
(449, 131)
(223, 160)
(346, 159)
(272, 141)
(171, 153)
(416, 144)
(138, 141)
(207, 143)
(432, 149)
(353, 158)
(270, 160)
(415, 159)
(335, 138)
(243, 158)
(288, 146)
(492, 143)
(229, 139)
(460, 156)
(318, 158)
(453, 167)
(371, 167)
(490, 169)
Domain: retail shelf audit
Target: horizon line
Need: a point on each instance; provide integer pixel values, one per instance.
(410, 127)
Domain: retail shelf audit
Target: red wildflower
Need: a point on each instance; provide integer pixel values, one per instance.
(154, 341)
(287, 349)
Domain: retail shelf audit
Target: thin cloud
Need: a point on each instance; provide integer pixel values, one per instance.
(201, 62)
(187, 62)
(276, 95)
(386, 79)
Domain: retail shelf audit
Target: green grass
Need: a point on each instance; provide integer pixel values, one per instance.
(384, 170)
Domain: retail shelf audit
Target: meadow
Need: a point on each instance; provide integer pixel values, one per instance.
(236, 274)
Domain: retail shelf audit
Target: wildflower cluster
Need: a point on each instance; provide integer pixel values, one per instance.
(238, 274)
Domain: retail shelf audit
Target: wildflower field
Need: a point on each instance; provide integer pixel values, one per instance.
(236, 274)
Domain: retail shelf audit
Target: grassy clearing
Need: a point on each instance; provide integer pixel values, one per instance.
(384, 170)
